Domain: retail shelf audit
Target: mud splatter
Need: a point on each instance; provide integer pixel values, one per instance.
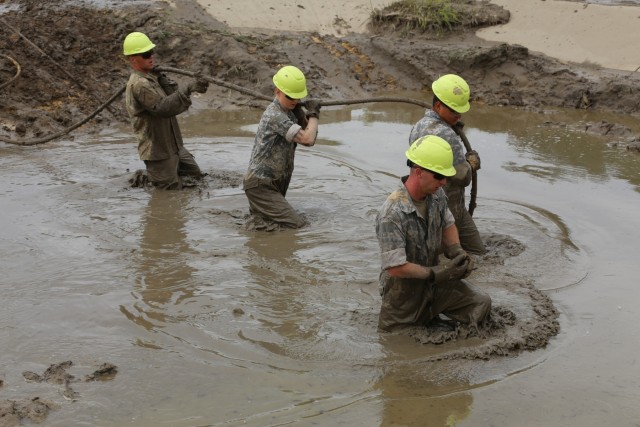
(56, 374)
(13, 412)
(36, 409)
(499, 247)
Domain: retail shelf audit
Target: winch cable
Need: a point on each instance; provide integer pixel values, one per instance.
(458, 128)
(218, 82)
(18, 71)
(473, 193)
(259, 95)
(37, 141)
(54, 62)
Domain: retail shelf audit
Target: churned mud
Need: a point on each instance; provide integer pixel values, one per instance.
(36, 409)
(13, 412)
(522, 317)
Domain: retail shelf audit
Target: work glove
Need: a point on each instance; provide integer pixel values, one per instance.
(474, 160)
(198, 85)
(313, 107)
(300, 116)
(164, 81)
(452, 269)
(454, 250)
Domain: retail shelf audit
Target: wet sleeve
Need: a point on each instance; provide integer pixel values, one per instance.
(156, 104)
(168, 85)
(392, 243)
(284, 126)
(291, 133)
(463, 175)
(457, 147)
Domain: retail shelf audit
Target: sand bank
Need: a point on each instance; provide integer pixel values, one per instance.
(325, 17)
(572, 31)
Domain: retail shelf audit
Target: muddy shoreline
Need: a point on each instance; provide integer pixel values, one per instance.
(86, 42)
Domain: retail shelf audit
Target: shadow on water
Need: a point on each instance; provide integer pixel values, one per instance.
(164, 277)
(411, 396)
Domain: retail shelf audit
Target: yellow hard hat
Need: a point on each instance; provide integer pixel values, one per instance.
(453, 91)
(291, 81)
(137, 43)
(433, 153)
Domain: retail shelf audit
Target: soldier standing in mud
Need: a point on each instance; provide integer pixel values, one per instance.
(282, 127)
(450, 101)
(412, 225)
(153, 102)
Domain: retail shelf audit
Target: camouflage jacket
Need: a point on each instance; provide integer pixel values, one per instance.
(405, 236)
(273, 151)
(153, 109)
(432, 124)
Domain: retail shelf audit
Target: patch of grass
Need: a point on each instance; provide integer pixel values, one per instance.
(421, 15)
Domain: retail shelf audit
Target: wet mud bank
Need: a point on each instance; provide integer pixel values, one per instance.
(70, 57)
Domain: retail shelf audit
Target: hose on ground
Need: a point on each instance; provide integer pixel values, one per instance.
(37, 141)
(18, 71)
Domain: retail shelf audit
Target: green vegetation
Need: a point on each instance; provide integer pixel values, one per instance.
(421, 15)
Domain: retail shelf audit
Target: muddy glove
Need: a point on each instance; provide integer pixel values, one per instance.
(164, 81)
(450, 270)
(313, 108)
(300, 115)
(474, 160)
(199, 85)
(455, 250)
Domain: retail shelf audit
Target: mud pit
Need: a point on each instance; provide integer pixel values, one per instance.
(45, 101)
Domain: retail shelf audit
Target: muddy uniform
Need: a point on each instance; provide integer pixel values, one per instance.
(271, 167)
(404, 235)
(153, 107)
(432, 124)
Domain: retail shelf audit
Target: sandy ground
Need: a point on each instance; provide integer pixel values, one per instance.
(573, 31)
(332, 17)
(567, 30)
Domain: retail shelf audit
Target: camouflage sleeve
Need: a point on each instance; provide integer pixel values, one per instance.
(455, 142)
(392, 242)
(281, 124)
(449, 220)
(292, 132)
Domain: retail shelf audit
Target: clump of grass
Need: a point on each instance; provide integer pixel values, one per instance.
(421, 15)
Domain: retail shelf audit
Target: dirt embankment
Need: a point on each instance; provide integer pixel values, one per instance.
(81, 63)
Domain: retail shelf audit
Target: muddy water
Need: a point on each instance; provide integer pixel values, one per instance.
(210, 324)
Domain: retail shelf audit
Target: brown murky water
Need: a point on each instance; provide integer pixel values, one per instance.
(210, 324)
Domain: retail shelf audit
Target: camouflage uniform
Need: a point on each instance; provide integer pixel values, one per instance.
(405, 236)
(271, 166)
(432, 124)
(153, 103)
